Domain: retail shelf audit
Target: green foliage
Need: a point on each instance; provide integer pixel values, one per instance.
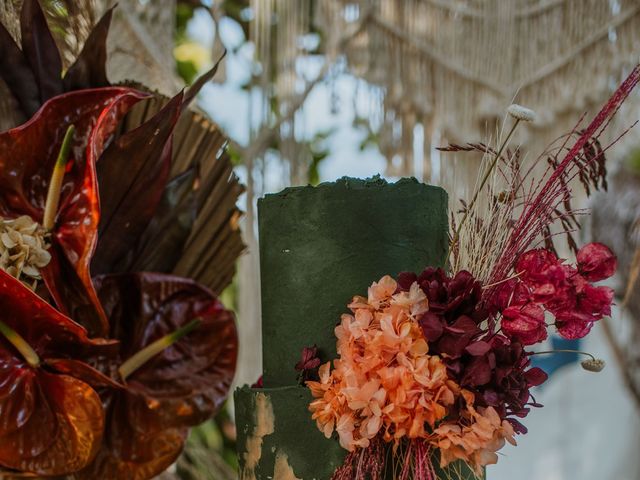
(371, 138)
(187, 69)
(633, 161)
(234, 154)
(210, 452)
(319, 151)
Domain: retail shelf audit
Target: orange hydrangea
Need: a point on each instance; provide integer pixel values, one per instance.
(476, 442)
(385, 382)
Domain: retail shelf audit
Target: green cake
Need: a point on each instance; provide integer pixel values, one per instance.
(319, 246)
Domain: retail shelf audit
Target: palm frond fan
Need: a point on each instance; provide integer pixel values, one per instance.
(195, 231)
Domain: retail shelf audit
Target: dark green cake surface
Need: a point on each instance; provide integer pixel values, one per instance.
(320, 246)
(308, 453)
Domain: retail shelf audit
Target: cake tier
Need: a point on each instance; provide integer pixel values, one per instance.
(278, 440)
(320, 246)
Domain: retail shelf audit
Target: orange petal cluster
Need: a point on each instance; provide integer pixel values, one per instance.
(476, 439)
(384, 382)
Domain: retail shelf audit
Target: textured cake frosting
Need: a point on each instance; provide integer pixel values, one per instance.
(320, 246)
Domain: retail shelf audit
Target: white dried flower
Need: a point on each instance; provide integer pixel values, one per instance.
(593, 365)
(23, 249)
(521, 113)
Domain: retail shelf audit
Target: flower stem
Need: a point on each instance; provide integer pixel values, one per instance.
(55, 185)
(485, 178)
(563, 351)
(28, 353)
(151, 350)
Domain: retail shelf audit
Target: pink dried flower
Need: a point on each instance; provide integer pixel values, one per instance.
(596, 262)
(525, 323)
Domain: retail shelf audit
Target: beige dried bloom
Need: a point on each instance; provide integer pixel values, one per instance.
(593, 365)
(23, 249)
(521, 113)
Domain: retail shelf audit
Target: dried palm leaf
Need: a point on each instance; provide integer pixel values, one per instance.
(194, 232)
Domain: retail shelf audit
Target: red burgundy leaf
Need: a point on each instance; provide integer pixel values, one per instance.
(478, 372)
(34, 73)
(162, 243)
(478, 348)
(89, 69)
(40, 50)
(432, 326)
(129, 201)
(308, 358)
(535, 376)
(27, 156)
(16, 73)
(405, 280)
(188, 382)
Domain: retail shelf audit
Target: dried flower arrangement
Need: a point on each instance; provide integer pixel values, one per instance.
(433, 367)
(100, 374)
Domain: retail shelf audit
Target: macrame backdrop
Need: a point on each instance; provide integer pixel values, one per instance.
(434, 72)
(450, 68)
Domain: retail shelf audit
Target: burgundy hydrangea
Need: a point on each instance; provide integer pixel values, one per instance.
(497, 370)
(501, 378)
(309, 363)
(454, 313)
(494, 367)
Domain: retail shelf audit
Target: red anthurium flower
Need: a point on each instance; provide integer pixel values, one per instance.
(28, 155)
(524, 323)
(131, 454)
(50, 423)
(181, 386)
(596, 262)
